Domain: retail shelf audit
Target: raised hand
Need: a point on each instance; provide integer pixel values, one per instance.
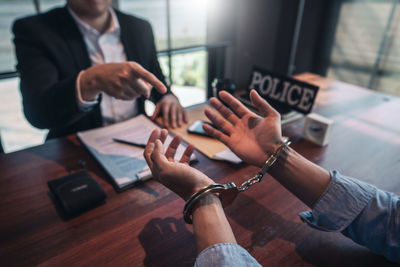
(249, 136)
(178, 176)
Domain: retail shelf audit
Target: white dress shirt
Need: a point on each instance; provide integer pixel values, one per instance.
(105, 48)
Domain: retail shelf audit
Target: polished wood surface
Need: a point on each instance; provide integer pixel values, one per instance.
(144, 225)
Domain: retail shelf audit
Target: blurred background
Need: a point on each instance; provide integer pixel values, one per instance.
(354, 41)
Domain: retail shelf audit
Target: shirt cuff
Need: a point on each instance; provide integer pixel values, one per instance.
(83, 105)
(340, 204)
(225, 254)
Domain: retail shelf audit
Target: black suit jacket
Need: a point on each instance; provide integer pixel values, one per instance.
(51, 52)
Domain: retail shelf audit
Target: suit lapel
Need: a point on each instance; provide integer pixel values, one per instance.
(74, 40)
(127, 37)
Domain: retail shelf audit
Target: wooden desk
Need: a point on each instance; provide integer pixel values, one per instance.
(144, 226)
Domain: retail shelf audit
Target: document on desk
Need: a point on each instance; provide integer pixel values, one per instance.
(124, 163)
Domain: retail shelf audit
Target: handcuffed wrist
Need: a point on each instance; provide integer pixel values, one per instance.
(207, 199)
(273, 148)
(229, 191)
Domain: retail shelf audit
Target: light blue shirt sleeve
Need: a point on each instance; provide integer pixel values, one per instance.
(225, 254)
(367, 215)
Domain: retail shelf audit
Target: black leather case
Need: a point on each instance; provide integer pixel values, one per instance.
(77, 192)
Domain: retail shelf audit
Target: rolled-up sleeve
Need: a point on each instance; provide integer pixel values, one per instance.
(367, 215)
(225, 254)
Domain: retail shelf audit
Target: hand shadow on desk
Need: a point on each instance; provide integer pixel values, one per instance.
(167, 242)
(331, 249)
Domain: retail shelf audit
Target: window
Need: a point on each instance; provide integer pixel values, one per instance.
(45, 5)
(189, 76)
(366, 46)
(180, 30)
(9, 11)
(188, 23)
(16, 132)
(153, 11)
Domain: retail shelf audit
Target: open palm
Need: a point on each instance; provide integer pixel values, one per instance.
(249, 136)
(178, 176)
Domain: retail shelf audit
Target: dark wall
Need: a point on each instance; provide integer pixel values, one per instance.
(255, 38)
(327, 28)
(263, 35)
(221, 34)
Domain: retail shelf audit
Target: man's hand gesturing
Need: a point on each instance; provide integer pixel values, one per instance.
(126, 81)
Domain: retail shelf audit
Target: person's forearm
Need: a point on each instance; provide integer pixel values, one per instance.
(87, 85)
(300, 176)
(210, 224)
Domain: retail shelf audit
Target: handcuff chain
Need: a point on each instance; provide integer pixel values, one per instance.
(246, 185)
(268, 164)
(230, 190)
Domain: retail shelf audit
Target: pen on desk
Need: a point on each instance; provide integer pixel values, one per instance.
(128, 143)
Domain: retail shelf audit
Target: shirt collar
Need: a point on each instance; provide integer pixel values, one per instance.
(86, 28)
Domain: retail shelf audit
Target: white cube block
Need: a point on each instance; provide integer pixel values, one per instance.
(317, 129)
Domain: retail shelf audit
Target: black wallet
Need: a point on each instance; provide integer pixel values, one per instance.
(77, 192)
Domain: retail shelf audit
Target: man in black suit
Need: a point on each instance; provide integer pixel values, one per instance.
(78, 62)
